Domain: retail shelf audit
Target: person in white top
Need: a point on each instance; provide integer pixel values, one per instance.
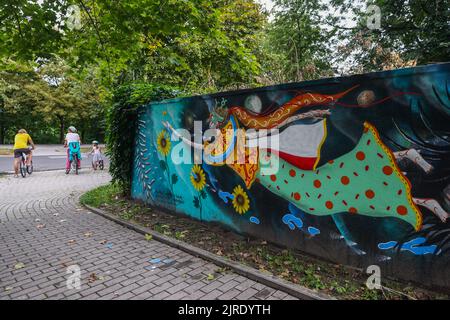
(97, 152)
(72, 137)
(73, 144)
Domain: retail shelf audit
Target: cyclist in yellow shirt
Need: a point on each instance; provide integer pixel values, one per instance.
(21, 142)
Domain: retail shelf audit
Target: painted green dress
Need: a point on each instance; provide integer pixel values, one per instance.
(364, 181)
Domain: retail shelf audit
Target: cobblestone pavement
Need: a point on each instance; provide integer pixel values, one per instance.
(43, 230)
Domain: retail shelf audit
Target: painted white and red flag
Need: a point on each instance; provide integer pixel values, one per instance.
(298, 144)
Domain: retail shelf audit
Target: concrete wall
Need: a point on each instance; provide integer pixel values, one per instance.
(340, 184)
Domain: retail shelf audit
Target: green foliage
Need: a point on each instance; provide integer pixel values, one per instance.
(199, 46)
(130, 213)
(53, 76)
(297, 43)
(148, 237)
(102, 195)
(179, 235)
(31, 29)
(418, 30)
(47, 97)
(121, 120)
(411, 33)
(163, 229)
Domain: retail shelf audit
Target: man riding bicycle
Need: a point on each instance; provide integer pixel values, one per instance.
(21, 141)
(73, 143)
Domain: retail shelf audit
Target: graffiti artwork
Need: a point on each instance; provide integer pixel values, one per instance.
(355, 170)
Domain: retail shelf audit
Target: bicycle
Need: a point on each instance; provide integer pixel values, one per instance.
(99, 163)
(24, 169)
(73, 160)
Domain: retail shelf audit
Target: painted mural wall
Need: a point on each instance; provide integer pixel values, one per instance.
(355, 170)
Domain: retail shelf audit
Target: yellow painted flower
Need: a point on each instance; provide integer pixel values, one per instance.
(198, 178)
(164, 143)
(241, 203)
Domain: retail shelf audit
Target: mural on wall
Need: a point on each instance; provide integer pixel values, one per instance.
(359, 173)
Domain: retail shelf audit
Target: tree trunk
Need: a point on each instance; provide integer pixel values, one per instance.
(83, 134)
(2, 133)
(61, 129)
(2, 127)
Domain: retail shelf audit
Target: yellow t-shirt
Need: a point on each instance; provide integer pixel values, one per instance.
(21, 141)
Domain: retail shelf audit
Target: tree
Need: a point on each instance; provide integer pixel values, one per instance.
(299, 40)
(38, 96)
(410, 33)
(31, 29)
(72, 99)
(21, 91)
(193, 44)
(200, 46)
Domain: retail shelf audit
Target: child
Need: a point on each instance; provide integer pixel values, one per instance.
(97, 152)
(73, 145)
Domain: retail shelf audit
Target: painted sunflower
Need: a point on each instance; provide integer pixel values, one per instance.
(198, 178)
(241, 203)
(164, 143)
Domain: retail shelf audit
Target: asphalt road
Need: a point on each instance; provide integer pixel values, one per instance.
(50, 162)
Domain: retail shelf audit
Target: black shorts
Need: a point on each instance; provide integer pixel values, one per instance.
(18, 152)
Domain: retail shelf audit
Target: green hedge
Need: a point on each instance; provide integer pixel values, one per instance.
(121, 126)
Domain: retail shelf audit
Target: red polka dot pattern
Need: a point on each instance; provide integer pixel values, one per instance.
(401, 210)
(360, 155)
(365, 182)
(370, 194)
(345, 180)
(387, 170)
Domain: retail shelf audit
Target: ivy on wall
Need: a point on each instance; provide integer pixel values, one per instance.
(122, 119)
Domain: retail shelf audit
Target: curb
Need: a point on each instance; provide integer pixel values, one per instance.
(47, 170)
(34, 170)
(300, 292)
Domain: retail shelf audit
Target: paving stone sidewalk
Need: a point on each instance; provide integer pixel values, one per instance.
(43, 230)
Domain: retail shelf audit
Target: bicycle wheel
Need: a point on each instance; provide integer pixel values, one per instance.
(101, 165)
(75, 161)
(30, 168)
(23, 168)
(71, 162)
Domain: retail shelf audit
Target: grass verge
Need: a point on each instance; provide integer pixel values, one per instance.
(333, 279)
(101, 196)
(6, 152)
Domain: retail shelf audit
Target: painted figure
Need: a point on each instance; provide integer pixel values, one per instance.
(365, 181)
